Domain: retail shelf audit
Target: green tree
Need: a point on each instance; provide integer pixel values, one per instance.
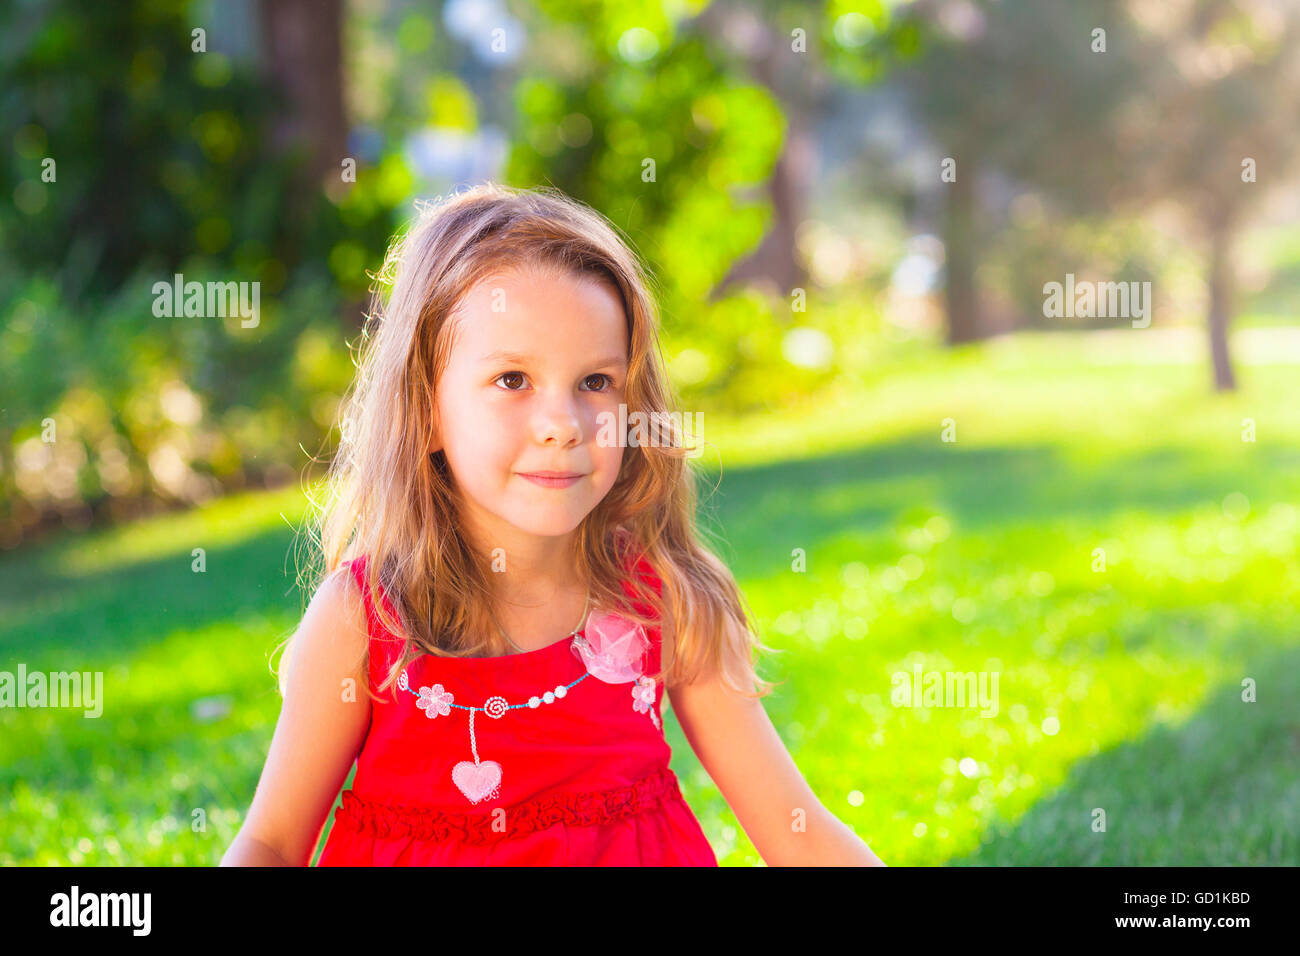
(1111, 106)
(1212, 127)
(632, 108)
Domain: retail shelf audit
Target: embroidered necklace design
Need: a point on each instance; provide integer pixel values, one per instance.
(611, 651)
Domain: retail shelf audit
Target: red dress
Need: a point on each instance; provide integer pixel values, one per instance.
(584, 778)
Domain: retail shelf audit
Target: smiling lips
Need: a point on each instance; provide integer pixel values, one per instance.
(551, 479)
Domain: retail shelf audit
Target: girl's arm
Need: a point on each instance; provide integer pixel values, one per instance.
(317, 736)
(743, 754)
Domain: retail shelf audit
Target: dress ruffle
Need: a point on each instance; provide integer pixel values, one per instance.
(591, 808)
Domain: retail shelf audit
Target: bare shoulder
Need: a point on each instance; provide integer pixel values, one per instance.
(334, 630)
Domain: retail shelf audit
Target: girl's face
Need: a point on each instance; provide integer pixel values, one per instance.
(535, 363)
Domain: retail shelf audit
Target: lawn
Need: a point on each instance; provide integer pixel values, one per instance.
(1098, 535)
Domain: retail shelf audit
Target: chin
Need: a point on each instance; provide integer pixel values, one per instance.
(550, 531)
(548, 526)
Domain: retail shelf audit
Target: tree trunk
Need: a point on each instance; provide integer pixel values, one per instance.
(1221, 301)
(775, 262)
(303, 49)
(960, 293)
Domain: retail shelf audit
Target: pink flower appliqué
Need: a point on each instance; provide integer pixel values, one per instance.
(643, 698)
(435, 701)
(611, 648)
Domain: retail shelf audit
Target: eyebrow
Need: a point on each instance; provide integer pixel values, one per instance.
(508, 356)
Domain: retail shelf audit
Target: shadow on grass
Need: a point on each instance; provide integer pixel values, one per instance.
(115, 613)
(768, 510)
(1221, 789)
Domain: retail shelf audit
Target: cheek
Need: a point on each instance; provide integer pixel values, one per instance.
(485, 435)
(606, 455)
(475, 435)
(610, 459)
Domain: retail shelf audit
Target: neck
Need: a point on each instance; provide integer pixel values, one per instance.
(527, 570)
(534, 572)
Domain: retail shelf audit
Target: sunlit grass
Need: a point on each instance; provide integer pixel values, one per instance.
(226, 521)
(1119, 683)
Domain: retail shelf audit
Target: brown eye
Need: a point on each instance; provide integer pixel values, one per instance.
(511, 375)
(600, 375)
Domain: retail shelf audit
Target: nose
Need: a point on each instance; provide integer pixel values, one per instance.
(557, 424)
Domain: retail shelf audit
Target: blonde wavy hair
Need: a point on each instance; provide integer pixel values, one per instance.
(388, 499)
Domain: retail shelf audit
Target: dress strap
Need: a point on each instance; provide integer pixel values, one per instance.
(643, 571)
(384, 645)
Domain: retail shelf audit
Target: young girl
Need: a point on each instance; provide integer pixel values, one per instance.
(529, 582)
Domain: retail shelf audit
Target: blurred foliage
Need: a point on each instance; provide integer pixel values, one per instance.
(182, 408)
(163, 164)
(162, 153)
(1111, 108)
(1041, 247)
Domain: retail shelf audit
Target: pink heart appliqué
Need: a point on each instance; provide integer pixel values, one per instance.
(477, 781)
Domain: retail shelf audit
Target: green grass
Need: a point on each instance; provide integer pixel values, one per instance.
(1120, 690)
